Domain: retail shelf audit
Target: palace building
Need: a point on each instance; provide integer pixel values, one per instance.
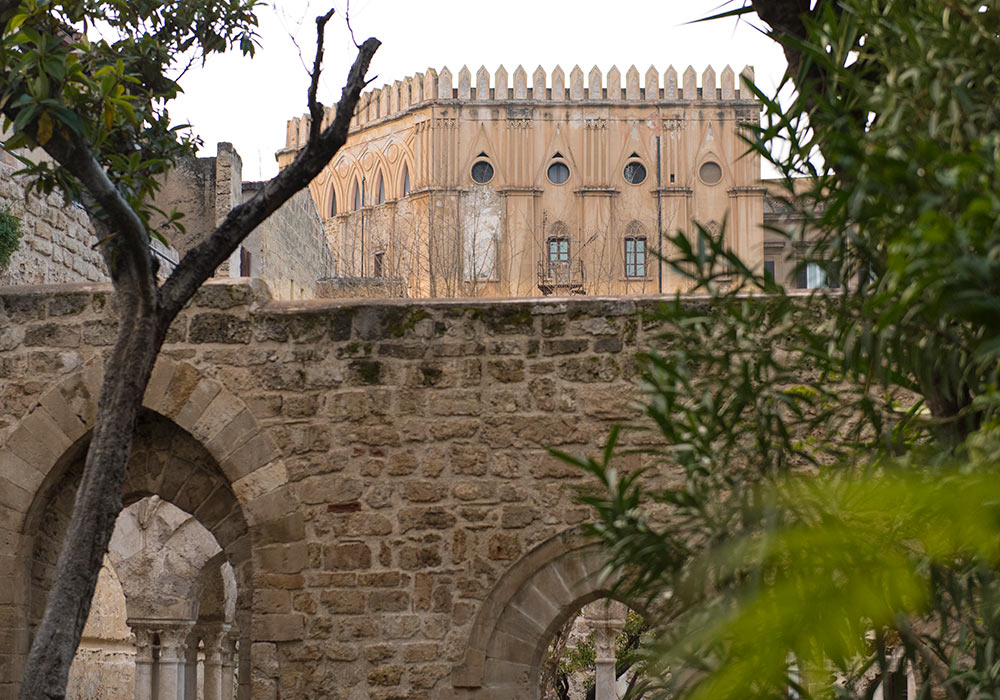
(498, 185)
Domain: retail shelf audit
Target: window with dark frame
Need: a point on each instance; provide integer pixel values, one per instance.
(635, 173)
(245, 262)
(558, 251)
(482, 172)
(635, 256)
(558, 262)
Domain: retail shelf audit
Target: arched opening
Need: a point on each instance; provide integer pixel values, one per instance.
(406, 180)
(380, 190)
(593, 656)
(514, 628)
(333, 201)
(180, 552)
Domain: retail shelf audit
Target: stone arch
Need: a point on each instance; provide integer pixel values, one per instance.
(55, 431)
(250, 492)
(523, 611)
(372, 164)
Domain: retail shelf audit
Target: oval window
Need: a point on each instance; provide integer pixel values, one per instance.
(710, 172)
(635, 173)
(482, 172)
(558, 173)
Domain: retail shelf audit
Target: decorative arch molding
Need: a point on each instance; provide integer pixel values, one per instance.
(522, 613)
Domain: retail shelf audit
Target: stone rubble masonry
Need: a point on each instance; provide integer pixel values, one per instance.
(391, 460)
(57, 245)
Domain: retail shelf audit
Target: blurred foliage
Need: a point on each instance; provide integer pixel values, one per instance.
(10, 236)
(839, 511)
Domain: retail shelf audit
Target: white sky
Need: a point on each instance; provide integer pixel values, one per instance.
(247, 102)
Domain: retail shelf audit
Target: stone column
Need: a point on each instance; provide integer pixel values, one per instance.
(173, 644)
(191, 666)
(143, 661)
(228, 665)
(606, 620)
(215, 637)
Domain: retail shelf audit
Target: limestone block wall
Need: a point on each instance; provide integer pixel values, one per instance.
(408, 530)
(57, 245)
(104, 667)
(289, 250)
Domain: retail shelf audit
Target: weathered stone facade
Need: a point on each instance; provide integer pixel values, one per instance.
(288, 250)
(377, 476)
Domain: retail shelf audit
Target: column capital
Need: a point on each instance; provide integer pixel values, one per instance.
(213, 634)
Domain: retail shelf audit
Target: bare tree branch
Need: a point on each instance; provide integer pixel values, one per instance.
(202, 260)
(315, 108)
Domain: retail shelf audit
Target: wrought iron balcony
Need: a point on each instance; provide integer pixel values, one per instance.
(564, 277)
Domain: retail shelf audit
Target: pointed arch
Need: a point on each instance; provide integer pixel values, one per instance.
(357, 193)
(379, 187)
(405, 184)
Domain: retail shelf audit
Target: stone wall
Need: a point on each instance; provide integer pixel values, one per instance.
(57, 243)
(289, 250)
(407, 524)
(361, 288)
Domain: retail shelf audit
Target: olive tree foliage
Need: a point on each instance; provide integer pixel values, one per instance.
(89, 82)
(839, 515)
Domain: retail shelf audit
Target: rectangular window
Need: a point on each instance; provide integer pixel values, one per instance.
(558, 250)
(245, 262)
(816, 276)
(635, 257)
(377, 265)
(769, 268)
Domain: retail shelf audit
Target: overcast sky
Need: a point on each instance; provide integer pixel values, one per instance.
(247, 102)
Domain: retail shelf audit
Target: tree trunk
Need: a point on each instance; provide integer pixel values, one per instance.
(97, 505)
(550, 667)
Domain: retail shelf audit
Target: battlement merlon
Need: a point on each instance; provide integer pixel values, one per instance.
(433, 87)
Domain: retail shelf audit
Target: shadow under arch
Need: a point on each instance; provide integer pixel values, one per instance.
(524, 610)
(167, 462)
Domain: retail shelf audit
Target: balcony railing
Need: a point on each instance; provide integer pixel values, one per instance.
(564, 277)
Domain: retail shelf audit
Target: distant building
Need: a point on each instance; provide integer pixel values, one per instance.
(525, 186)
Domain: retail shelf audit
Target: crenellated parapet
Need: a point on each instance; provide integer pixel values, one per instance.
(594, 87)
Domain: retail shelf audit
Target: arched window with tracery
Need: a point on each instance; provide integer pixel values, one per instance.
(406, 180)
(333, 201)
(635, 250)
(380, 190)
